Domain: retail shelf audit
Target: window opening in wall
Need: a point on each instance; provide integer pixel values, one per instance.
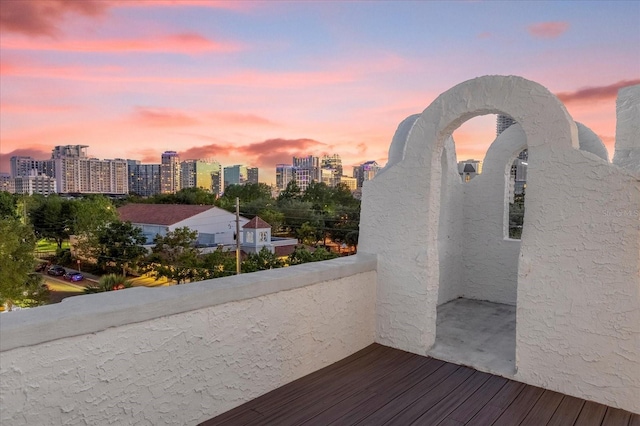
(517, 191)
(472, 140)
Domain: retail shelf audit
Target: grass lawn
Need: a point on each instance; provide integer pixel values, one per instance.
(46, 245)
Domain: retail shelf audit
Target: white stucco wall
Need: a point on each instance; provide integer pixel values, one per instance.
(578, 284)
(186, 367)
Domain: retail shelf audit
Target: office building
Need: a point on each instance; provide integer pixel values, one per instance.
(170, 172)
(203, 174)
(144, 179)
(240, 175)
(365, 171)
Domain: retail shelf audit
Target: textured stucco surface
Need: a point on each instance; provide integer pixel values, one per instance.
(185, 368)
(578, 282)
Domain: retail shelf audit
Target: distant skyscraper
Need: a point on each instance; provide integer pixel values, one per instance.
(7, 183)
(502, 123)
(170, 172)
(333, 164)
(23, 166)
(252, 175)
(144, 179)
(240, 175)
(75, 172)
(284, 175)
(365, 171)
(204, 174)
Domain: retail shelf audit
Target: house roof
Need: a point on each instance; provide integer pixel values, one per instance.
(159, 214)
(468, 168)
(256, 223)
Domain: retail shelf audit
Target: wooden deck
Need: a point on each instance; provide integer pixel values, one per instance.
(379, 385)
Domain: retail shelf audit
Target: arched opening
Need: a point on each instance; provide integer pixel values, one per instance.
(477, 294)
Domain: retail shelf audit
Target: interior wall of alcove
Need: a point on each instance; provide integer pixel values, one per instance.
(475, 260)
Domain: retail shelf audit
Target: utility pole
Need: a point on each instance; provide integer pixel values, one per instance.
(237, 235)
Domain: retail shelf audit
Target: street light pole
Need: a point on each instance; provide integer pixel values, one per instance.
(237, 235)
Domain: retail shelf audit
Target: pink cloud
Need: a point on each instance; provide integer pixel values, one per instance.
(596, 93)
(162, 117)
(180, 43)
(485, 34)
(240, 119)
(37, 17)
(551, 29)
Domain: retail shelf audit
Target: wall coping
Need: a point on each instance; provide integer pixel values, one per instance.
(91, 313)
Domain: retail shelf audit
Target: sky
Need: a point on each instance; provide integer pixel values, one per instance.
(256, 83)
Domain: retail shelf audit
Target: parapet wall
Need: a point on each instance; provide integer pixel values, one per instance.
(183, 368)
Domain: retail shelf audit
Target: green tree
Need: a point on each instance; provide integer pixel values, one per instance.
(216, 264)
(8, 206)
(308, 234)
(291, 192)
(303, 255)
(119, 245)
(175, 256)
(18, 284)
(260, 261)
(53, 219)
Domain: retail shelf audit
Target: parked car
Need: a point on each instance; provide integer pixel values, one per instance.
(73, 276)
(56, 270)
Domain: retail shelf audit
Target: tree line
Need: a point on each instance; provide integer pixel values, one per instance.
(318, 214)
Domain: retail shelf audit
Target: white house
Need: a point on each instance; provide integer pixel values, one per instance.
(214, 225)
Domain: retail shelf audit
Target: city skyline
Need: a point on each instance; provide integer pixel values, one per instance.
(258, 83)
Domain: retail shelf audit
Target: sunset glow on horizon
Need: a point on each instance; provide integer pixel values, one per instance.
(256, 83)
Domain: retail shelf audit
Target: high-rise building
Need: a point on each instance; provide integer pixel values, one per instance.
(204, 174)
(518, 175)
(75, 172)
(144, 179)
(309, 168)
(252, 175)
(34, 184)
(365, 171)
(502, 123)
(170, 172)
(351, 182)
(6, 183)
(240, 175)
(23, 166)
(332, 164)
(284, 175)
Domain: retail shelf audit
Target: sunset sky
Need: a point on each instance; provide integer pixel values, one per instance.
(258, 82)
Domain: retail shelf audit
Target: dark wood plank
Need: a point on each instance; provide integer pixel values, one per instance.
(520, 407)
(439, 411)
(567, 412)
(479, 399)
(544, 409)
(380, 385)
(386, 412)
(591, 415)
(239, 418)
(498, 404)
(388, 394)
(322, 398)
(425, 401)
(286, 394)
(616, 417)
(341, 410)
